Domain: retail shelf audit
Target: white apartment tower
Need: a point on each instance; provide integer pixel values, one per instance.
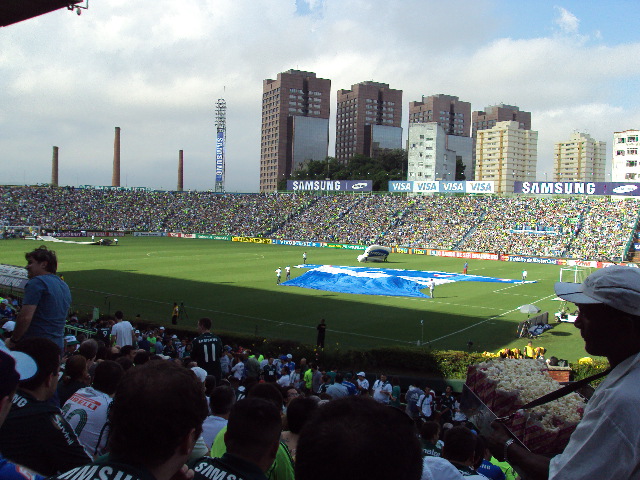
(580, 159)
(433, 153)
(625, 164)
(506, 153)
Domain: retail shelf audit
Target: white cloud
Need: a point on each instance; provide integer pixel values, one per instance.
(155, 68)
(567, 21)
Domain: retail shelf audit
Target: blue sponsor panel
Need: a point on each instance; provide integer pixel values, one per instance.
(479, 187)
(379, 281)
(577, 188)
(330, 185)
(400, 186)
(296, 243)
(453, 187)
(219, 156)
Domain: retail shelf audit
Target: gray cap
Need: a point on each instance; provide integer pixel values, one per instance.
(617, 286)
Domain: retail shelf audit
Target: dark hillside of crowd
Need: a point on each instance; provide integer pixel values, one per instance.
(572, 227)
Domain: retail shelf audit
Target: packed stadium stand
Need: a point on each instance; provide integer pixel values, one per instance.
(578, 227)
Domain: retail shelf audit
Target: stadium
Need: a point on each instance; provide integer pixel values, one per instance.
(215, 255)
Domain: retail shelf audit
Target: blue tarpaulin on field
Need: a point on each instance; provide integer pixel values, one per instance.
(380, 281)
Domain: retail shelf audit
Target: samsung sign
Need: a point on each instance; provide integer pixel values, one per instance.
(219, 156)
(441, 187)
(577, 188)
(330, 185)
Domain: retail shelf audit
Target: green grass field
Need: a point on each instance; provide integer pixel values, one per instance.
(234, 284)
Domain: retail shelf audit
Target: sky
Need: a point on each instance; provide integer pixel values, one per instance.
(155, 68)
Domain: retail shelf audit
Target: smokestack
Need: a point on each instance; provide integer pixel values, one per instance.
(54, 168)
(180, 171)
(115, 178)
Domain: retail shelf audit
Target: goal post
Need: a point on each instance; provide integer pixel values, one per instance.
(574, 274)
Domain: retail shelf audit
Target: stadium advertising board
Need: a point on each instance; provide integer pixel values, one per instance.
(251, 240)
(214, 237)
(577, 188)
(345, 247)
(13, 277)
(149, 234)
(467, 255)
(523, 259)
(67, 233)
(108, 187)
(297, 243)
(398, 186)
(104, 234)
(330, 185)
(219, 156)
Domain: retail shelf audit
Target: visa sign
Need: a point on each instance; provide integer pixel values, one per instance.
(432, 187)
(457, 187)
(480, 187)
(399, 186)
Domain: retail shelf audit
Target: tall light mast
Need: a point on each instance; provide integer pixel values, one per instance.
(221, 139)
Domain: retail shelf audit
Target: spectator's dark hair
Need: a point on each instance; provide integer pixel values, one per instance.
(359, 438)
(222, 400)
(267, 391)
(47, 357)
(299, 411)
(107, 376)
(339, 377)
(429, 429)
(74, 369)
(148, 424)
(141, 358)
(459, 444)
(125, 362)
(119, 315)
(88, 349)
(395, 381)
(43, 254)
(210, 383)
(205, 323)
(253, 429)
(126, 350)
(553, 362)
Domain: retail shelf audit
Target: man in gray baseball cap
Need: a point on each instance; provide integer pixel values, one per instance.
(609, 322)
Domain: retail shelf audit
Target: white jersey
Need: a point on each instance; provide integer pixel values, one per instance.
(123, 331)
(86, 411)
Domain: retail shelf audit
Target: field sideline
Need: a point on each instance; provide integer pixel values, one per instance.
(235, 284)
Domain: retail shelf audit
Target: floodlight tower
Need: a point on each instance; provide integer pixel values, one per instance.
(221, 138)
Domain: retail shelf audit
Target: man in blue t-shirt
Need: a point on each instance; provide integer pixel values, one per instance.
(46, 300)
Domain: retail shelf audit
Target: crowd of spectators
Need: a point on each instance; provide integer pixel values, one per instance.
(73, 397)
(574, 226)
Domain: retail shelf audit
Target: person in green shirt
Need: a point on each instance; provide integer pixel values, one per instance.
(282, 467)
(395, 392)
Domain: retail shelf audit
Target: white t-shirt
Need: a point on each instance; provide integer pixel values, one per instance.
(210, 428)
(123, 331)
(284, 381)
(378, 388)
(424, 404)
(86, 411)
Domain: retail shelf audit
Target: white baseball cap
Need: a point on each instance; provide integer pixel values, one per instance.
(25, 366)
(616, 286)
(9, 326)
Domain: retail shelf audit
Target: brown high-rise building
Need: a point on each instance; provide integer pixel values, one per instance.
(368, 120)
(446, 110)
(295, 124)
(494, 114)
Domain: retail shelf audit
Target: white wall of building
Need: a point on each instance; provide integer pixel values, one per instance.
(625, 164)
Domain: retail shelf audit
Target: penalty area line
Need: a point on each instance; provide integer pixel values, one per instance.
(484, 321)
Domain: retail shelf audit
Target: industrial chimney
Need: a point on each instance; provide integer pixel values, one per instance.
(54, 168)
(115, 178)
(180, 171)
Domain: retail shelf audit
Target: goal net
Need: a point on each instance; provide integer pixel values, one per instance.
(574, 274)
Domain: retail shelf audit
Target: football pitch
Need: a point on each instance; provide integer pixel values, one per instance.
(235, 284)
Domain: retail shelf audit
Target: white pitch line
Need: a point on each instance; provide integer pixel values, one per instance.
(485, 321)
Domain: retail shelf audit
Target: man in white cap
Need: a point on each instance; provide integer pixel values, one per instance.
(362, 384)
(609, 322)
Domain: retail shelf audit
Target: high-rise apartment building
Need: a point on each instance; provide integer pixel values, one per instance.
(579, 159)
(295, 124)
(446, 110)
(368, 120)
(506, 153)
(433, 154)
(625, 164)
(493, 114)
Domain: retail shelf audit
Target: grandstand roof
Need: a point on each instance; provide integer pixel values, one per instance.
(14, 11)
